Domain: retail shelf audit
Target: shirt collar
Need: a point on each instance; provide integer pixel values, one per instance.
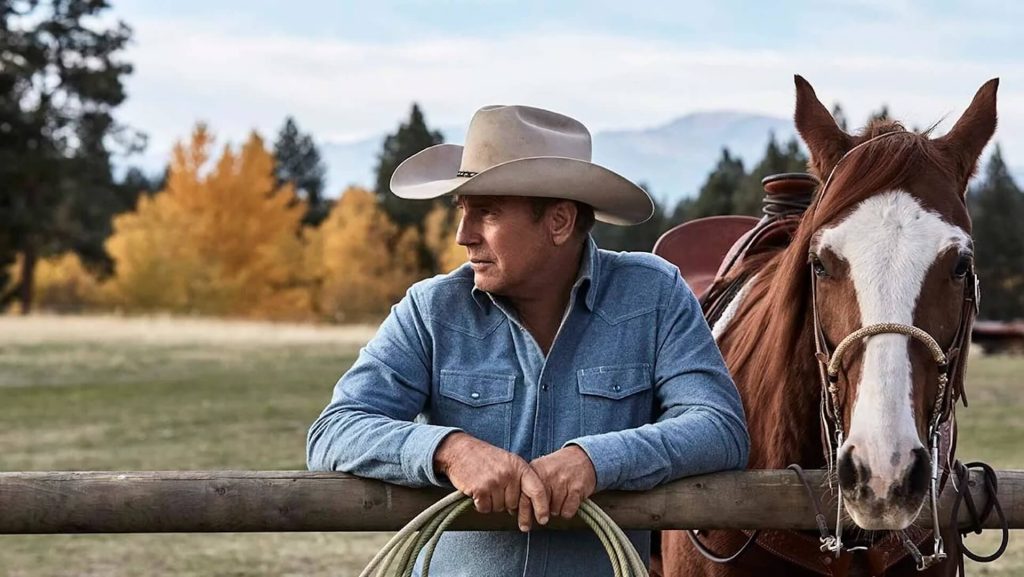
(586, 279)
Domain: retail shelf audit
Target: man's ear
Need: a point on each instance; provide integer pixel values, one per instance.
(561, 219)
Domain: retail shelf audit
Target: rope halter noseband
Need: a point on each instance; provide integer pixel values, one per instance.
(942, 409)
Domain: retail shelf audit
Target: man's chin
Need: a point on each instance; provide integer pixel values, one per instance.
(487, 283)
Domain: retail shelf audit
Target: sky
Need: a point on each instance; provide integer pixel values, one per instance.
(348, 70)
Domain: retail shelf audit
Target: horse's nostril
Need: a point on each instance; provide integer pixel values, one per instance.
(847, 470)
(852, 471)
(917, 478)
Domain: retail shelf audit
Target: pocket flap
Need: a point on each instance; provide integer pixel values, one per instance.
(615, 382)
(477, 389)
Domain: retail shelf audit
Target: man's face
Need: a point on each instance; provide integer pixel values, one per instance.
(505, 244)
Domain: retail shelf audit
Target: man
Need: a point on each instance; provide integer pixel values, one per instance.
(544, 369)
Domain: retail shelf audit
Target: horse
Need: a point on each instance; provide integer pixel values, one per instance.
(848, 347)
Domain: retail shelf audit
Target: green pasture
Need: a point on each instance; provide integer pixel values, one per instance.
(97, 402)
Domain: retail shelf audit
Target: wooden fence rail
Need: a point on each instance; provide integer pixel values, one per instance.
(228, 501)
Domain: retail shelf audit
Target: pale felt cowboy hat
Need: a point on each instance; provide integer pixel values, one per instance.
(523, 151)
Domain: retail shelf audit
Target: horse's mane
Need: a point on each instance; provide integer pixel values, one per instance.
(768, 345)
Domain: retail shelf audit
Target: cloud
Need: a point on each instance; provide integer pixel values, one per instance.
(341, 89)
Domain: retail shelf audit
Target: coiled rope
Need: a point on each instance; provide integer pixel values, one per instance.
(398, 557)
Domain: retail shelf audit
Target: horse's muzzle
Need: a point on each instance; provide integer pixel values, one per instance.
(890, 502)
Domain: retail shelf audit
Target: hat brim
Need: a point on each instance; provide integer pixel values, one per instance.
(616, 200)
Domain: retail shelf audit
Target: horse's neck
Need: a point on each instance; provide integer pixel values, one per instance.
(782, 408)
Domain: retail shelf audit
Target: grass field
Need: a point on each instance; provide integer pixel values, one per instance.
(114, 394)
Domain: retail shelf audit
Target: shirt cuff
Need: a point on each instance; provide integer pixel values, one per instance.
(605, 452)
(418, 454)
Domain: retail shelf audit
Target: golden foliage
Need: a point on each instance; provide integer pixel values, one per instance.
(363, 262)
(61, 283)
(221, 242)
(439, 230)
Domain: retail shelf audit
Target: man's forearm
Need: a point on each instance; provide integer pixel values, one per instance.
(375, 446)
(700, 440)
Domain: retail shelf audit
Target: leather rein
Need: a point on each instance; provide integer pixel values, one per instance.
(950, 364)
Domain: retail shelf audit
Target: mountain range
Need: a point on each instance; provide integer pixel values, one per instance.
(672, 159)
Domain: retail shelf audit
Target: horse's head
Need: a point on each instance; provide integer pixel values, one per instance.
(890, 245)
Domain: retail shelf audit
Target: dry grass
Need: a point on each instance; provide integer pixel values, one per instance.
(105, 393)
(166, 330)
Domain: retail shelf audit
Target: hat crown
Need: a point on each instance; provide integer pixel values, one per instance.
(500, 134)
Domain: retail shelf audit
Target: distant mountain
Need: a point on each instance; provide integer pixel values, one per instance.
(673, 159)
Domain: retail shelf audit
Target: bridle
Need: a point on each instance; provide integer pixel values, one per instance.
(950, 364)
(950, 367)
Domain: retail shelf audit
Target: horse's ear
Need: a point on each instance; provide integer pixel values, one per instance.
(825, 140)
(964, 143)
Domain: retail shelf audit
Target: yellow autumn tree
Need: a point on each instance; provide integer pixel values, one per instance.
(62, 283)
(222, 241)
(439, 228)
(362, 261)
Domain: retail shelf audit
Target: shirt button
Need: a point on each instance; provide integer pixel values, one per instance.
(544, 387)
(616, 388)
(474, 395)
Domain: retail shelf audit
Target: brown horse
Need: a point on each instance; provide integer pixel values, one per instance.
(885, 247)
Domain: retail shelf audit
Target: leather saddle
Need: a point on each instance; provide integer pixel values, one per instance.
(707, 249)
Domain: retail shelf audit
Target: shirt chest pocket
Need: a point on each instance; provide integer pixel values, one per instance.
(478, 403)
(615, 398)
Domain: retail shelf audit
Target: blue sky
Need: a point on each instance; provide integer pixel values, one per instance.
(347, 70)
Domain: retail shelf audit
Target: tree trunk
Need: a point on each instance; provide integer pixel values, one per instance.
(28, 270)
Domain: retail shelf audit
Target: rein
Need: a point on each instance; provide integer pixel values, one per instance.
(829, 364)
(951, 366)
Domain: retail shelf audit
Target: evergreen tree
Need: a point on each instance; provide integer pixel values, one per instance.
(411, 137)
(881, 115)
(682, 212)
(90, 198)
(997, 211)
(60, 79)
(718, 195)
(776, 160)
(297, 161)
(639, 237)
(839, 116)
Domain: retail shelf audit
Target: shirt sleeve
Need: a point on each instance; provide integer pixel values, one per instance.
(368, 429)
(701, 427)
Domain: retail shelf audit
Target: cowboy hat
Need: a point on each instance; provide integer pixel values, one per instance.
(523, 151)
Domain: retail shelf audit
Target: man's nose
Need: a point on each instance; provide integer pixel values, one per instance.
(465, 235)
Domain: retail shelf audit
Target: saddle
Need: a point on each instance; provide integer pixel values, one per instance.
(707, 250)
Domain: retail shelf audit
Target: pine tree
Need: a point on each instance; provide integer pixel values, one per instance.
(297, 161)
(997, 211)
(839, 116)
(776, 160)
(882, 114)
(718, 195)
(411, 137)
(639, 237)
(61, 77)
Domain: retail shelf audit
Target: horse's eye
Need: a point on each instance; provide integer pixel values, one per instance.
(818, 267)
(963, 266)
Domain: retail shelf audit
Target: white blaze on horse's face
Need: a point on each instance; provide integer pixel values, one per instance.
(889, 242)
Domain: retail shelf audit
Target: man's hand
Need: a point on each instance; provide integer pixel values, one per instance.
(495, 479)
(569, 477)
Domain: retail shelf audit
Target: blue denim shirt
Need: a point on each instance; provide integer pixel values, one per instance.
(633, 377)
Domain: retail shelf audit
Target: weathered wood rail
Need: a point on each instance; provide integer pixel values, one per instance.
(228, 501)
